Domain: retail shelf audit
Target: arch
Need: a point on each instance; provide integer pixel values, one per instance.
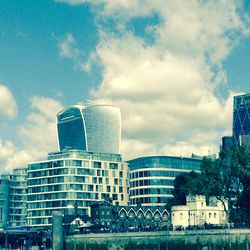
(149, 214)
(131, 213)
(140, 210)
(122, 212)
(157, 215)
(165, 215)
(157, 211)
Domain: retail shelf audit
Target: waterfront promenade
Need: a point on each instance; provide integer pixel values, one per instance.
(227, 239)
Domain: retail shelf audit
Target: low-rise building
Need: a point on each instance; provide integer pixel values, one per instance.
(124, 218)
(197, 213)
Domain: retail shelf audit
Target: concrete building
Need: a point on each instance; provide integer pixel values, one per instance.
(92, 127)
(197, 213)
(4, 201)
(13, 197)
(152, 178)
(74, 179)
(18, 197)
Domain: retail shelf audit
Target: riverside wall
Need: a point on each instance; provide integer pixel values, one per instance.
(231, 239)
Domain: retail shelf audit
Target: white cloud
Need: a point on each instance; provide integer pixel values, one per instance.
(38, 134)
(6, 150)
(8, 107)
(68, 48)
(39, 130)
(167, 89)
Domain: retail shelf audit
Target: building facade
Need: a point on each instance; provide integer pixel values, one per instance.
(91, 127)
(152, 178)
(227, 142)
(4, 201)
(74, 179)
(245, 140)
(125, 218)
(197, 213)
(13, 198)
(241, 116)
(18, 197)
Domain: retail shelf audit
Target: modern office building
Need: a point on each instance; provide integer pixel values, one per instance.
(227, 142)
(13, 197)
(72, 180)
(92, 127)
(245, 140)
(152, 178)
(241, 116)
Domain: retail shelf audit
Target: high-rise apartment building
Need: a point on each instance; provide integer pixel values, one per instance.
(72, 180)
(13, 197)
(241, 116)
(18, 197)
(92, 127)
(4, 201)
(152, 178)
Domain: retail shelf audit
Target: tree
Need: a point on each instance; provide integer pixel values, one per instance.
(228, 177)
(235, 166)
(187, 184)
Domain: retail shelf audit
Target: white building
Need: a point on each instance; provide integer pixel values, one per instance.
(197, 213)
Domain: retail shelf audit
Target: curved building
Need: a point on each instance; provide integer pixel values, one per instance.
(152, 178)
(92, 127)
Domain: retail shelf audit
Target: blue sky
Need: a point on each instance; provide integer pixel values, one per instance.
(172, 68)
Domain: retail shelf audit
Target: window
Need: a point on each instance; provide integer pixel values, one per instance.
(113, 165)
(97, 164)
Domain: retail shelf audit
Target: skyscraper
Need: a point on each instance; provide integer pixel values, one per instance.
(241, 116)
(91, 127)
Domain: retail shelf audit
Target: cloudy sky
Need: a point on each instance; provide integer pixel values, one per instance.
(171, 66)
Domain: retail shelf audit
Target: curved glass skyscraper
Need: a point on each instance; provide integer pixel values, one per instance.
(91, 127)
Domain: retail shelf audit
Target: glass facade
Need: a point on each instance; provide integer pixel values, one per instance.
(71, 131)
(241, 116)
(91, 127)
(152, 178)
(71, 179)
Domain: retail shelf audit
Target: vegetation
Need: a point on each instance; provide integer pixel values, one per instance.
(227, 177)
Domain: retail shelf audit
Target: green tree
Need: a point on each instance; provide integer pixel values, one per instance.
(187, 184)
(234, 165)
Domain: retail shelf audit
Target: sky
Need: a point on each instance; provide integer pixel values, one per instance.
(172, 67)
